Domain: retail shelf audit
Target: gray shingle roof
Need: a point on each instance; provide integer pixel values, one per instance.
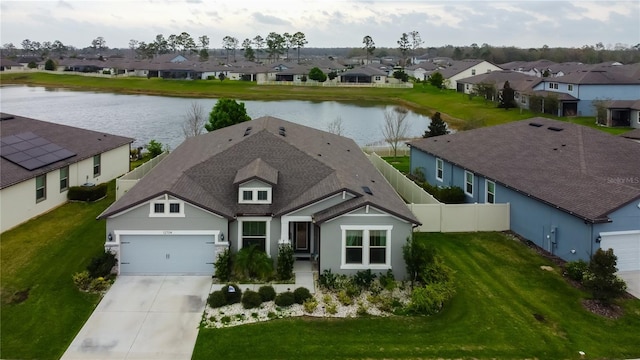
(596, 77)
(311, 165)
(84, 143)
(580, 170)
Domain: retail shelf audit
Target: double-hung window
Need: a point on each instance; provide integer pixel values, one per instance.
(41, 188)
(64, 178)
(491, 192)
(96, 165)
(254, 233)
(366, 247)
(439, 169)
(468, 183)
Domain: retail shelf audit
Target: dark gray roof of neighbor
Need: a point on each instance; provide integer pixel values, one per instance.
(84, 143)
(364, 70)
(624, 104)
(310, 165)
(582, 171)
(596, 77)
(498, 78)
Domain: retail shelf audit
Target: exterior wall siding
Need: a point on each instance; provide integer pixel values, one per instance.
(480, 68)
(331, 242)
(586, 93)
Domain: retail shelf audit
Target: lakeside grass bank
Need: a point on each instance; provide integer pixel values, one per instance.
(457, 109)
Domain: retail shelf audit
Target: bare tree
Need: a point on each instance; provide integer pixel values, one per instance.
(194, 120)
(335, 127)
(395, 127)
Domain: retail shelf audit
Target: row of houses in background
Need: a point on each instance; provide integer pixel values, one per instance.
(566, 89)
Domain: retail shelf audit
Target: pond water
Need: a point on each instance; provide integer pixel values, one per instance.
(145, 117)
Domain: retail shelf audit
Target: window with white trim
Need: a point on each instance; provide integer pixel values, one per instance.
(254, 195)
(41, 188)
(439, 169)
(64, 178)
(366, 247)
(468, 183)
(96, 165)
(570, 87)
(254, 233)
(167, 208)
(473, 72)
(491, 192)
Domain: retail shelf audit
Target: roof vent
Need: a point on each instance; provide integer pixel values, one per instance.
(248, 131)
(553, 128)
(535, 124)
(283, 131)
(367, 190)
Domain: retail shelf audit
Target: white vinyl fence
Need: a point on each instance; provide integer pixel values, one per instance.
(126, 181)
(438, 217)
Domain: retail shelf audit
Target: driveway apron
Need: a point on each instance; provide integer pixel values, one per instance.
(144, 317)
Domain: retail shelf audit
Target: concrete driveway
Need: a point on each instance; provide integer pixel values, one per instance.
(632, 278)
(144, 317)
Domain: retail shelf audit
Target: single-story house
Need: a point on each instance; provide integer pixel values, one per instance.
(40, 160)
(363, 74)
(265, 182)
(623, 113)
(572, 189)
(461, 69)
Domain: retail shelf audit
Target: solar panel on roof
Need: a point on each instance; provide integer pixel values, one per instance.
(31, 151)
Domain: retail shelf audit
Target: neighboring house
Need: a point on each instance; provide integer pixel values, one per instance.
(363, 74)
(421, 71)
(41, 160)
(457, 70)
(9, 65)
(264, 182)
(497, 79)
(571, 189)
(591, 85)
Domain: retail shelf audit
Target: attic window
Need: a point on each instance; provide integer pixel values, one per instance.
(367, 190)
(535, 124)
(553, 128)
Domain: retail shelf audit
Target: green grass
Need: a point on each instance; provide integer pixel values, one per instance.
(401, 163)
(41, 256)
(500, 287)
(457, 108)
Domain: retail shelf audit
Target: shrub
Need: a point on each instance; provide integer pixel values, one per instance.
(101, 265)
(253, 262)
(328, 280)
(87, 193)
(331, 308)
(223, 265)
(301, 294)
(364, 279)
(49, 65)
(451, 195)
(344, 298)
(267, 293)
(362, 309)
(387, 281)
(575, 269)
(234, 296)
(600, 278)
(310, 305)
(317, 75)
(284, 268)
(285, 299)
(434, 272)
(82, 280)
(217, 299)
(430, 299)
(416, 256)
(155, 148)
(98, 284)
(251, 299)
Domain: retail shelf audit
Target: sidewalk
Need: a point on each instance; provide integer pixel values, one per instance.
(302, 271)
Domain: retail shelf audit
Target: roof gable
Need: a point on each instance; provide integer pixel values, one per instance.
(257, 169)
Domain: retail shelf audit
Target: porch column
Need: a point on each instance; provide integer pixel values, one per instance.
(284, 231)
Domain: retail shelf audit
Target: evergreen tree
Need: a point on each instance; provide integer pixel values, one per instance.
(600, 278)
(437, 127)
(507, 100)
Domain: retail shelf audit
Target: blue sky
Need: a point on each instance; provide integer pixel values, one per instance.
(328, 23)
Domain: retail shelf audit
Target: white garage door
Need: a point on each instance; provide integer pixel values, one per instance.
(626, 246)
(167, 254)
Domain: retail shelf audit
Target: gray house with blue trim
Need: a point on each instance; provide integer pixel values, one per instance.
(572, 189)
(265, 182)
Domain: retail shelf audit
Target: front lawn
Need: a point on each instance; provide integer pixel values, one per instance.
(505, 307)
(401, 163)
(38, 260)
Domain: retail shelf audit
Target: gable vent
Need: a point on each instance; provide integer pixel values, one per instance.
(367, 190)
(535, 124)
(553, 128)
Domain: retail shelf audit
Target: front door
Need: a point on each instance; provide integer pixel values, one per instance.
(302, 236)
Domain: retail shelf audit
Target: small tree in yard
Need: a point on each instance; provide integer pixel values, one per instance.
(226, 112)
(284, 267)
(600, 278)
(155, 148)
(50, 65)
(437, 127)
(317, 75)
(395, 127)
(436, 79)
